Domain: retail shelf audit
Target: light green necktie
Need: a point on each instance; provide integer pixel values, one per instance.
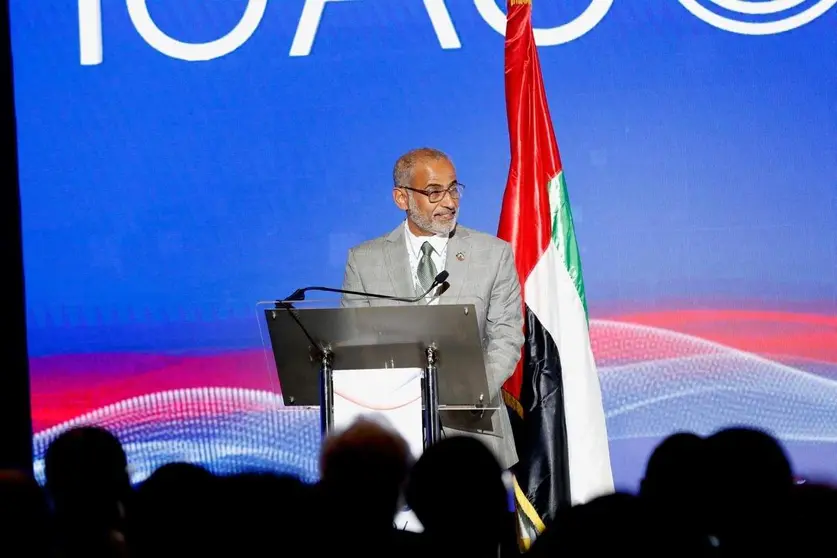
(426, 268)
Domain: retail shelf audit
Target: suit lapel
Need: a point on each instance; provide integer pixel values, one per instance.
(457, 262)
(398, 263)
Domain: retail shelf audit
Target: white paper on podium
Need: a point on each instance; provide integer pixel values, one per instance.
(391, 394)
(406, 520)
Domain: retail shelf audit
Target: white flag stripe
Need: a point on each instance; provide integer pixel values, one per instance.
(552, 297)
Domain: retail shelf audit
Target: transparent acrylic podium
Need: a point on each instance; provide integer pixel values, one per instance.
(309, 343)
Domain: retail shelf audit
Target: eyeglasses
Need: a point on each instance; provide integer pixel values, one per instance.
(436, 193)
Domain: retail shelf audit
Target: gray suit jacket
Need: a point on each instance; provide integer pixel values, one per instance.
(483, 275)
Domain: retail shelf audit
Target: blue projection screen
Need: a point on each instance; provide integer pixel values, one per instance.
(182, 160)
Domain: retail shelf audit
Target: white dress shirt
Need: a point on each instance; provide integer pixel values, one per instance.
(439, 255)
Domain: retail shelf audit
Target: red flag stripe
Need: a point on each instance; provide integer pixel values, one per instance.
(525, 219)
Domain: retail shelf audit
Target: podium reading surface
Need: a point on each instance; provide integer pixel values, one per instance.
(375, 338)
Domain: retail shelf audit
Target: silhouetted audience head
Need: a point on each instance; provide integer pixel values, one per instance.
(674, 467)
(750, 459)
(86, 467)
(456, 490)
(674, 490)
(363, 469)
(676, 478)
(88, 482)
(24, 517)
(172, 511)
(750, 481)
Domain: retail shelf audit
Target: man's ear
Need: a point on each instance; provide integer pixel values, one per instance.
(399, 196)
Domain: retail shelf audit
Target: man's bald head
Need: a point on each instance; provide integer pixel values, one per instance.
(402, 174)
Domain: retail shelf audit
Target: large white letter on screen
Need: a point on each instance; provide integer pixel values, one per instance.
(442, 23)
(309, 22)
(550, 36)
(192, 52)
(312, 14)
(90, 32)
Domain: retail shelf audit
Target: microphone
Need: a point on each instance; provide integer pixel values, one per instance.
(299, 294)
(443, 288)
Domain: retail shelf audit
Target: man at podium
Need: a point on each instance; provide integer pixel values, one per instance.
(405, 262)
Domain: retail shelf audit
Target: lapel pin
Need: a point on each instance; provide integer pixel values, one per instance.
(460, 256)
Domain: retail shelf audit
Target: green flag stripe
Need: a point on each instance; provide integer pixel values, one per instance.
(563, 233)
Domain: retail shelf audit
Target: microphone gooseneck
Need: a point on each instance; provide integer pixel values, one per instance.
(299, 294)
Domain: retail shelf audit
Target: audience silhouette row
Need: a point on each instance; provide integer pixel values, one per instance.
(729, 494)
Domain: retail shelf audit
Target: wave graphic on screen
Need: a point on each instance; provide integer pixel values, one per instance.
(701, 386)
(228, 430)
(654, 382)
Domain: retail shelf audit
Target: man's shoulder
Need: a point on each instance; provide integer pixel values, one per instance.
(372, 245)
(485, 240)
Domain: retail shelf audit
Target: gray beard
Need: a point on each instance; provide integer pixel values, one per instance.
(429, 225)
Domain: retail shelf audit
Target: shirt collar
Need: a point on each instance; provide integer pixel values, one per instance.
(439, 242)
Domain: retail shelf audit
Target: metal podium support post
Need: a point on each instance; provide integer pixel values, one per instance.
(432, 424)
(326, 392)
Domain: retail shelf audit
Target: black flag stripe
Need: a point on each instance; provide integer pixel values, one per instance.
(540, 433)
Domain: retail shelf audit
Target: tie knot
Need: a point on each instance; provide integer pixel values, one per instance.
(426, 248)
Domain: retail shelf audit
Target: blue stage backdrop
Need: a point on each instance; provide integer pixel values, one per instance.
(181, 160)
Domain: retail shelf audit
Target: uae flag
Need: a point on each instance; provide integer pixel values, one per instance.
(554, 394)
